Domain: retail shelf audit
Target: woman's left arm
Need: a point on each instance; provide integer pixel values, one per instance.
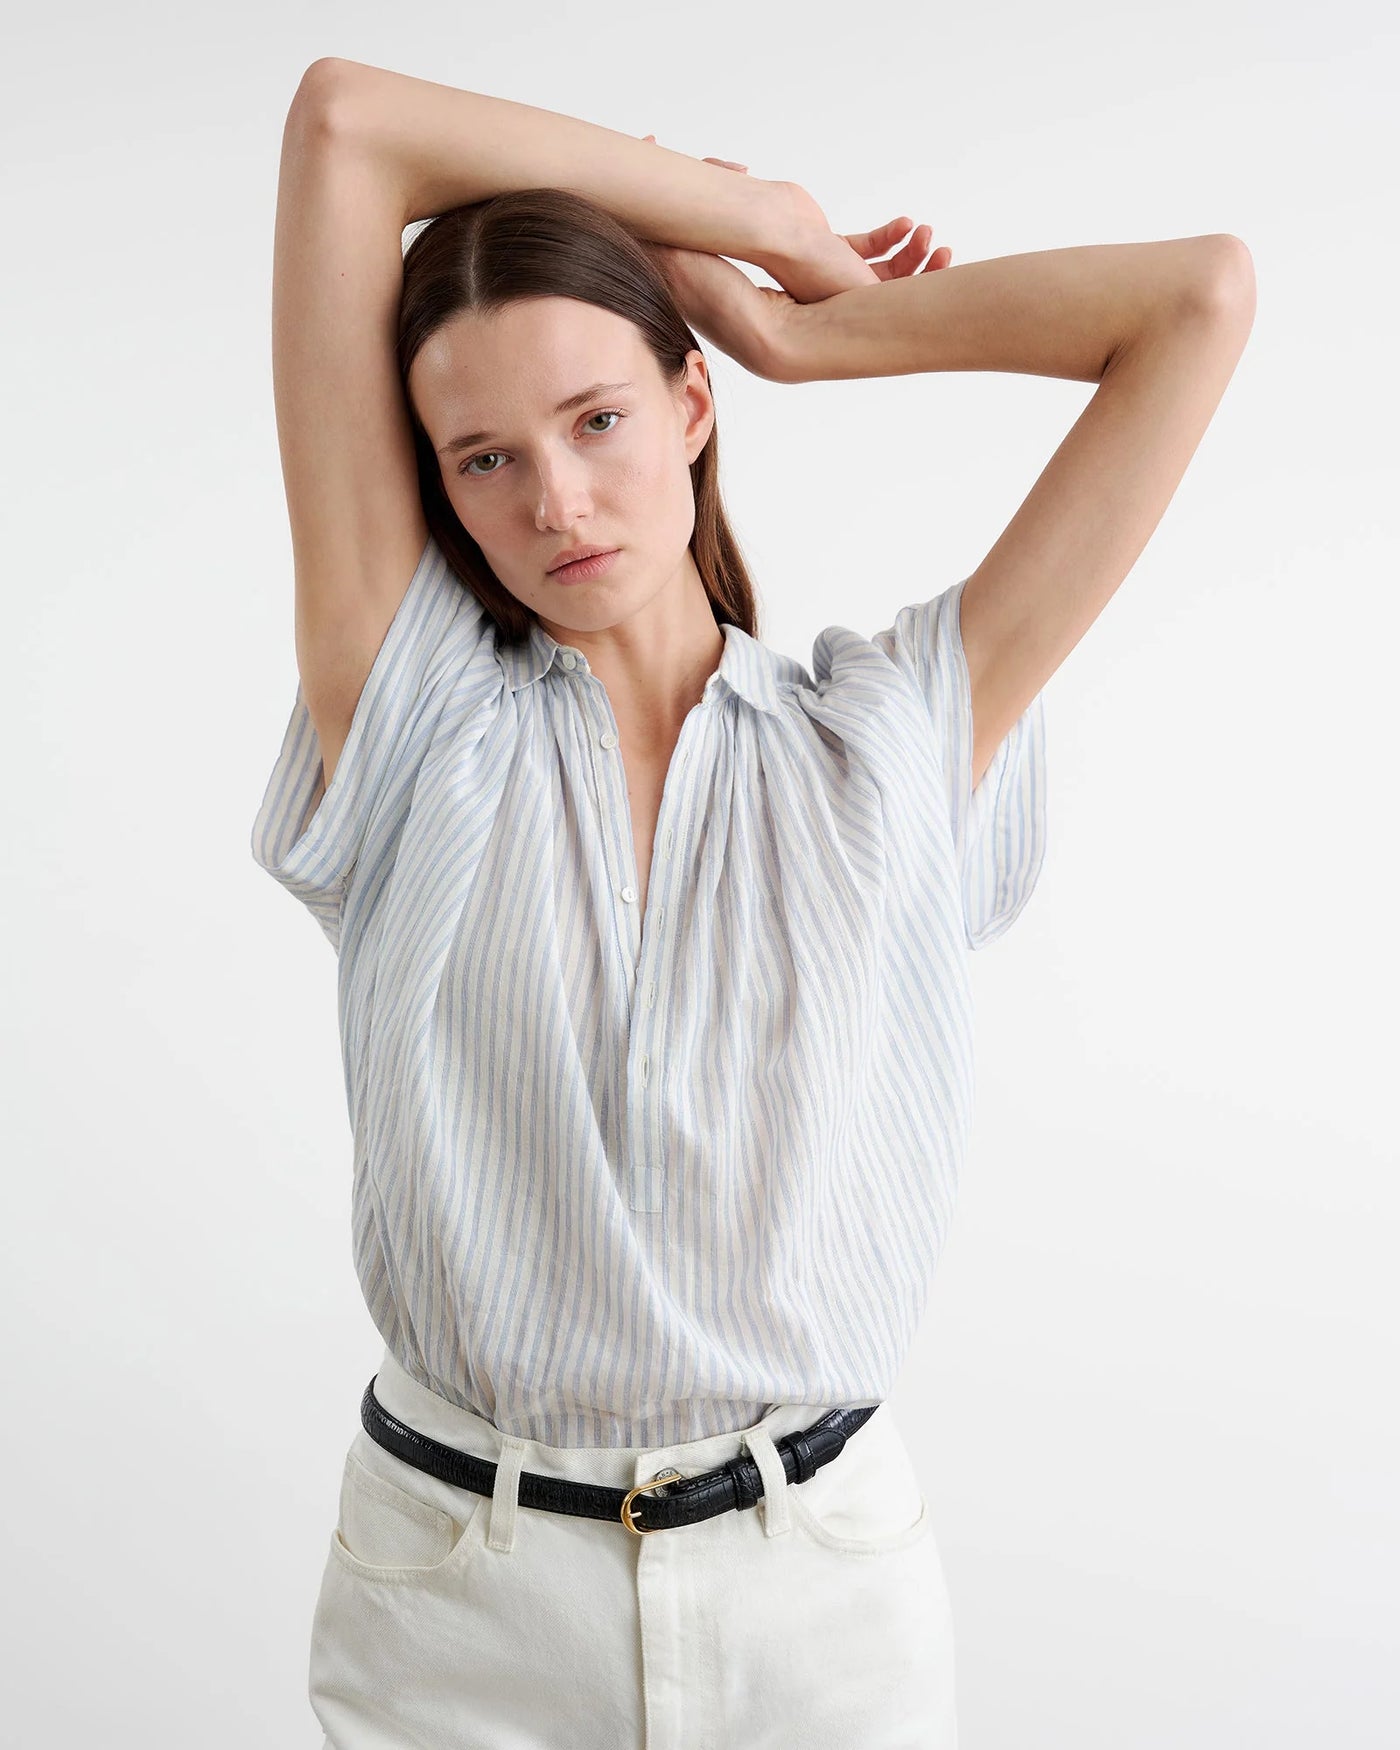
(1158, 326)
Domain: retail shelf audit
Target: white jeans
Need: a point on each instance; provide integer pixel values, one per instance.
(449, 1620)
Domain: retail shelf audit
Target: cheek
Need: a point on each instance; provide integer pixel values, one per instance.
(474, 510)
(658, 490)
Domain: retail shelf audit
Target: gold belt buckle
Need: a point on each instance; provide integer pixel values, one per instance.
(665, 1476)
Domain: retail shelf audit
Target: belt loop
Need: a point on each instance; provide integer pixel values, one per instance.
(506, 1494)
(774, 1504)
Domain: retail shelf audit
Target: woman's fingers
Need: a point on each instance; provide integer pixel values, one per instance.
(908, 259)
(868, 243)
(872, 243)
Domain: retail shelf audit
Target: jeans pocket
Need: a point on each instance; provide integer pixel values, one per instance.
(391, 1529)
(869, 1500)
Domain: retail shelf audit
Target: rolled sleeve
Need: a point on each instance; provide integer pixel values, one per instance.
(998, 829)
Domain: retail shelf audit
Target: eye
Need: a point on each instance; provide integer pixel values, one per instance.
(603, 413)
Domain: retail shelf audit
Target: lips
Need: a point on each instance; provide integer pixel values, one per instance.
(583, 570)
(577, 556)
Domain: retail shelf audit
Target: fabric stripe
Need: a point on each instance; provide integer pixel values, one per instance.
(626, 1179)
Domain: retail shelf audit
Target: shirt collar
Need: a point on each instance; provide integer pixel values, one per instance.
(746, 667)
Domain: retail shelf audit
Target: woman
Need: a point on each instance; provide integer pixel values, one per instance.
(652, 942)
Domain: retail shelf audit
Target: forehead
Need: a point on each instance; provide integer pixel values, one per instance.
(518, 362)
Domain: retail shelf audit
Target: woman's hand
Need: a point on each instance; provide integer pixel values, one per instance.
(721, 303)
(817, 262)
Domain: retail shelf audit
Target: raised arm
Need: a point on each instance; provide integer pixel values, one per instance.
(444, 147)
(1158, 326)
(348, 464)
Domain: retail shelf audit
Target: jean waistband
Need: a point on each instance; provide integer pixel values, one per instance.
(620, 1467)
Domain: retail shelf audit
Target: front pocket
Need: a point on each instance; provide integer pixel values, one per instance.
(868, 1500)
(385, 1531)
(882, 1543)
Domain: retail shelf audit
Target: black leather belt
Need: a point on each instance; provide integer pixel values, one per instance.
(686, 1500)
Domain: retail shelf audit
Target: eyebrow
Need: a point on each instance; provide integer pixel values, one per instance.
(566, 406)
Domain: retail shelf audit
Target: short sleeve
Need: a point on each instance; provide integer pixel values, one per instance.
(998, 829)
(310, 838)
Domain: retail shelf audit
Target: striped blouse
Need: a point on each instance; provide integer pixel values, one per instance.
(625, 1179)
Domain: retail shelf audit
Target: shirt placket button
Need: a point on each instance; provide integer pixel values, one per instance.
(609, 739)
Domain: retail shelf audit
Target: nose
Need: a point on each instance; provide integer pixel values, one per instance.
(563, 499)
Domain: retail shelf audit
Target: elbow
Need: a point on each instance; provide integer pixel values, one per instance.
(321, 100)
(1223, 284)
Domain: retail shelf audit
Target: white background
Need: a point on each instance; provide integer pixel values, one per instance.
(1153, 1401)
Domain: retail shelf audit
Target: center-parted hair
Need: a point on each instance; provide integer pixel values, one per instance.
(548, 242)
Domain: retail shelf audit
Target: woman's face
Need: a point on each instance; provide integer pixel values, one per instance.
(531, 481)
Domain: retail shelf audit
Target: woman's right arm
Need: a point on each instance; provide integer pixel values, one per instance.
(348, 461)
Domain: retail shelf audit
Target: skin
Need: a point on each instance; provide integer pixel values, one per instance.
(542, 483)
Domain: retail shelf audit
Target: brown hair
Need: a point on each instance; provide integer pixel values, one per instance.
(544, 242)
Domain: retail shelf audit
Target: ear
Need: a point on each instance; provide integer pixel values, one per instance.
(698, 403)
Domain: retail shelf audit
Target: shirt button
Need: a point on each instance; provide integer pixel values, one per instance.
(568, 658)
(629, 893)
(608, 739)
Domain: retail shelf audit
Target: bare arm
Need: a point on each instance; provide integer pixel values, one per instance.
(348, 465)
(442, 148)
(1053, 313)
(1158, 326)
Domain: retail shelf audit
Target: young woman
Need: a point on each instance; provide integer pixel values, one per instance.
(652, 941)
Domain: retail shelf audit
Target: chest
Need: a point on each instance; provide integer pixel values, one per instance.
(646, 769)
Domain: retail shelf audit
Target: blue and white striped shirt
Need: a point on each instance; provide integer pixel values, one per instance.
(624, 1180)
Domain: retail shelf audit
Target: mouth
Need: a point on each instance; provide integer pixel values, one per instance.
(577, 570)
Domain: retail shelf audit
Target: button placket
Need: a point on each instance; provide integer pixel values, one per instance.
(644, 1193)
(646, 1184)
(646, 1128)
